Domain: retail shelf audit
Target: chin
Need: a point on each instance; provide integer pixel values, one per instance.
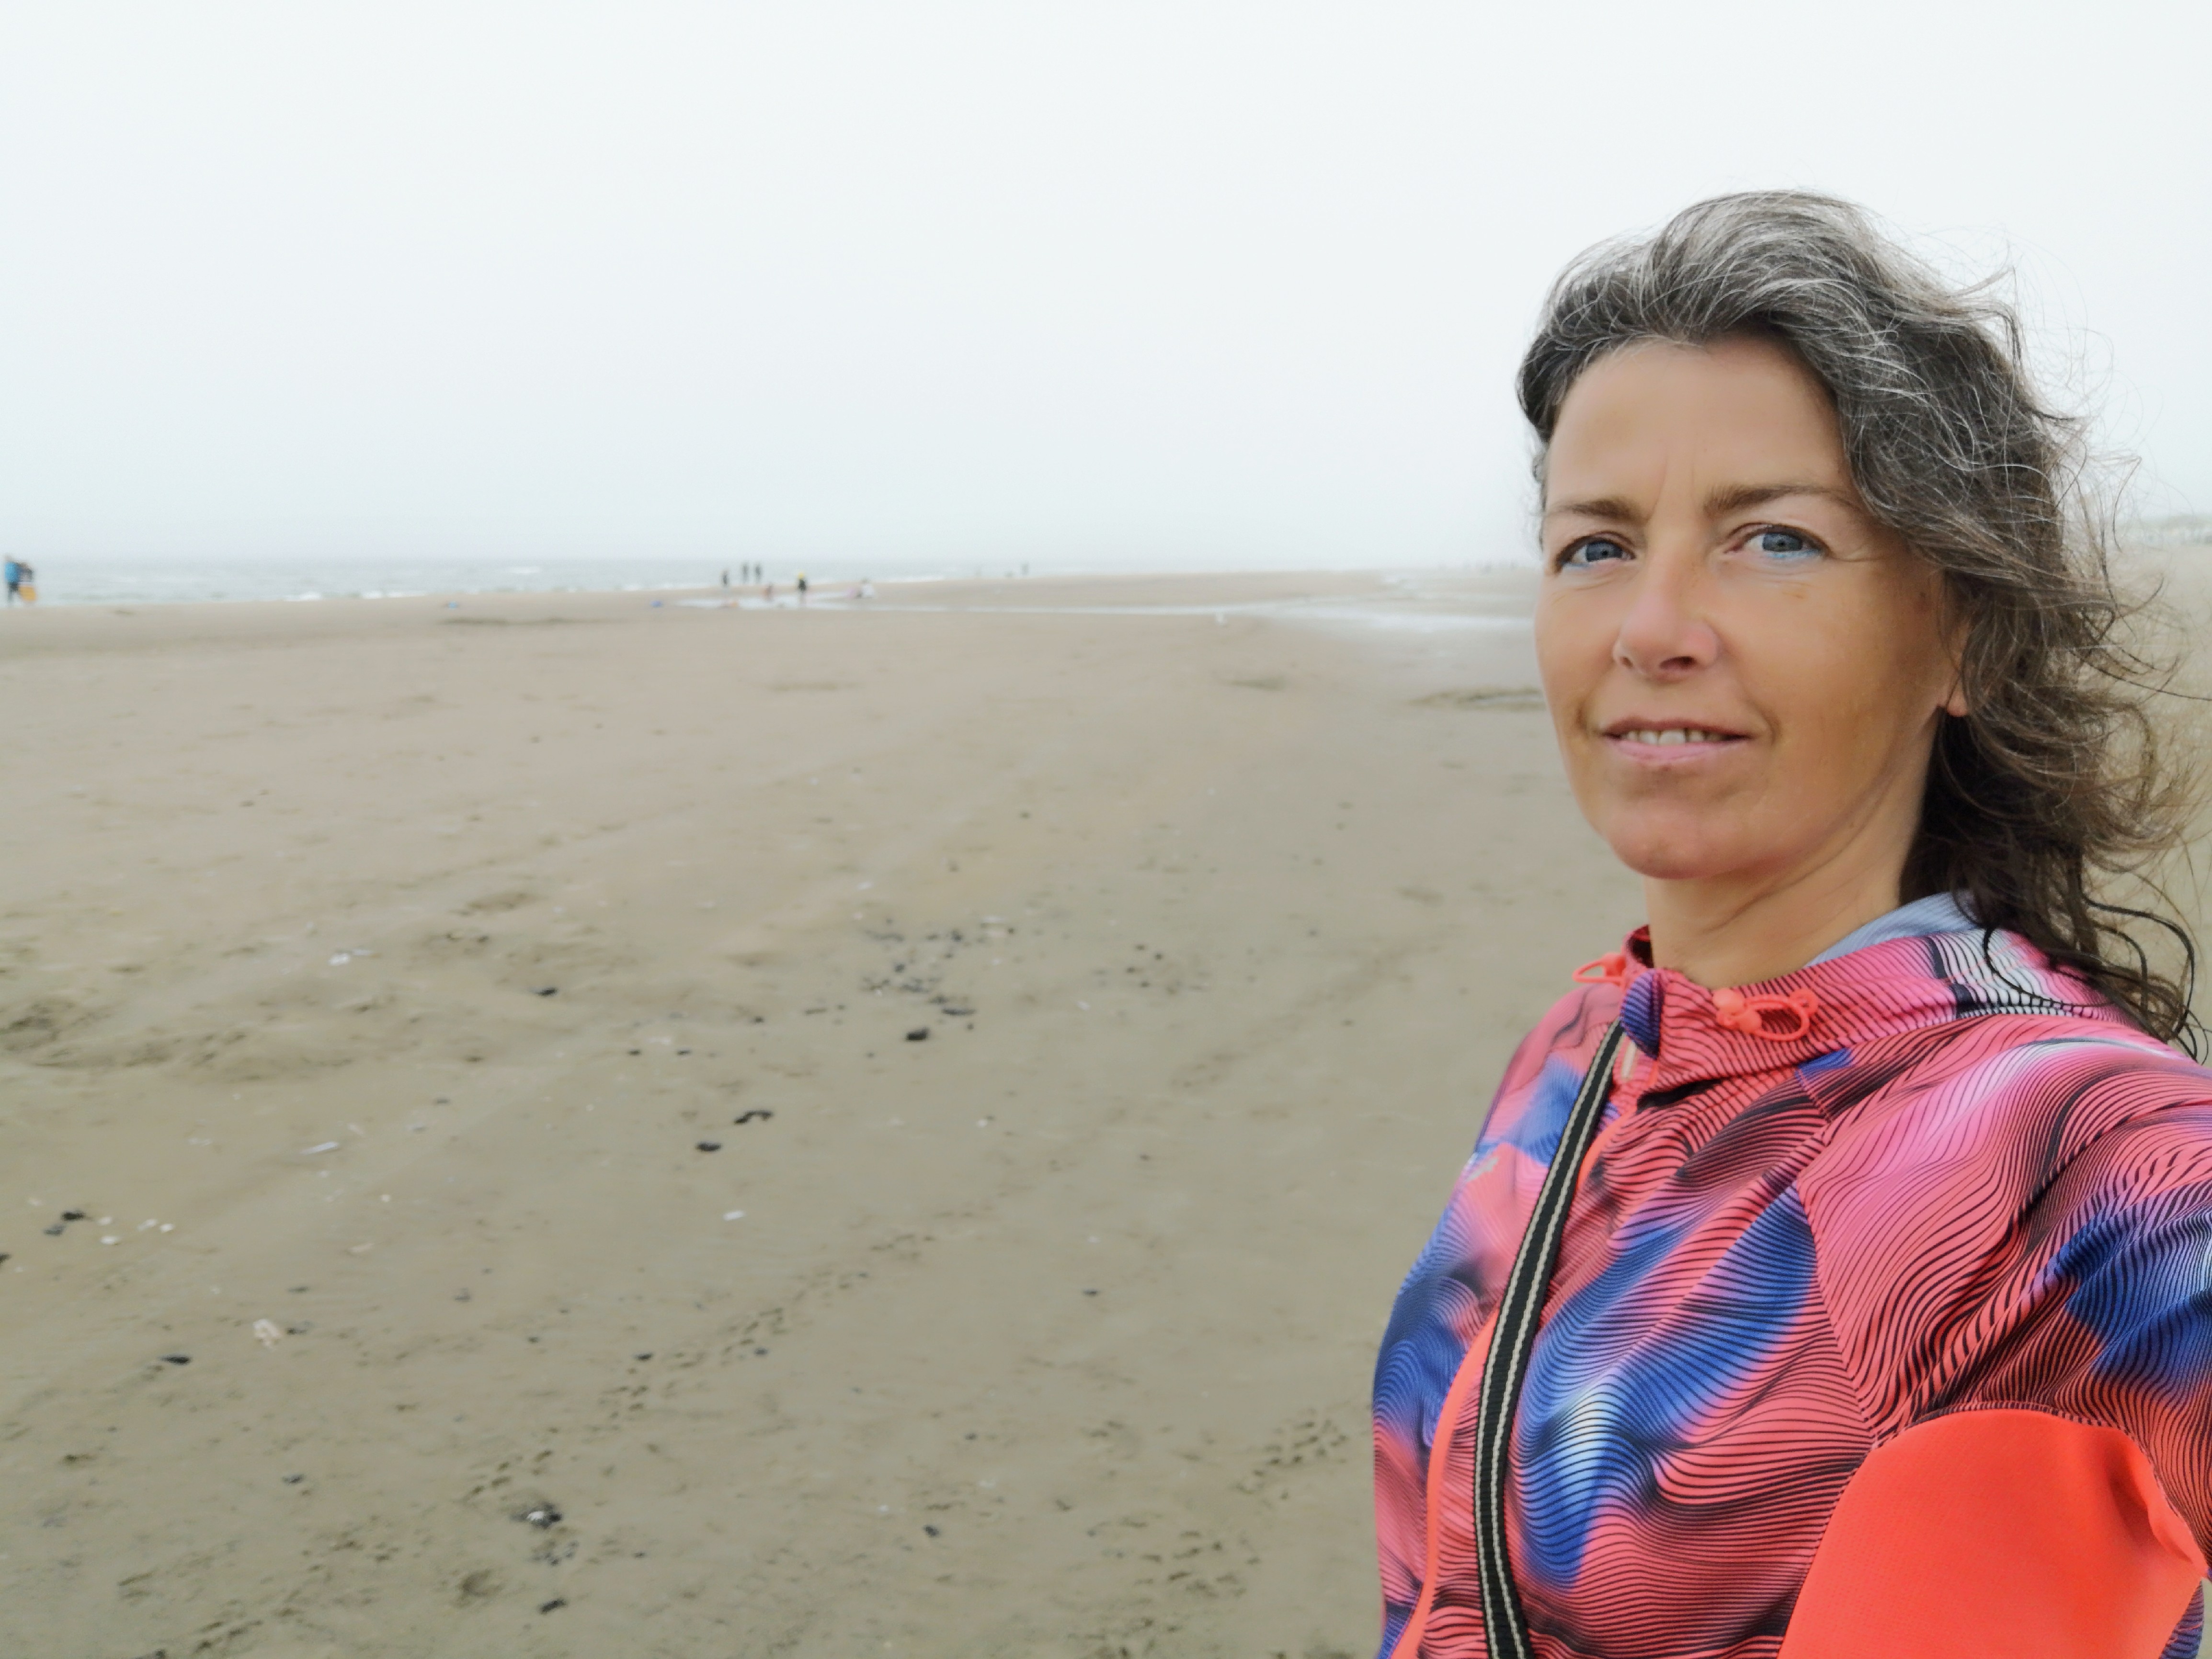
(1675, 852)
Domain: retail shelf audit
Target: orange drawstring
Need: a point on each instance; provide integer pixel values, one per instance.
(1614, 970)
(1739, 1012)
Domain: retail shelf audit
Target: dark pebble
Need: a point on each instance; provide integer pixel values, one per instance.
(72, 1215)
(931, 1531)
(56, 1231)
(545, 991)
(547, 1606)
(710, 1146)
(1090, 1293)
(176, 1359)
(294, 1480)
(641, 1356)
(759, 1114)
(919, 1034)
(958, 1013)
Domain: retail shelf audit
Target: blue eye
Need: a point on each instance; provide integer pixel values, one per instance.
(1591, 550)
(1784, 544)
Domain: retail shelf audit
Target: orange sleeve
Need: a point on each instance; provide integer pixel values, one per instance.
(1998, 1533)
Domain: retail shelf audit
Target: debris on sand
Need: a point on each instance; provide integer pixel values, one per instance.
(541, 1516)
(919, 1034)
(756, 1115)
(710, 1146)
(269, 1331)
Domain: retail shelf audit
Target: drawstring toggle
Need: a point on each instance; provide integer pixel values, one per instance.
(1738, 1013)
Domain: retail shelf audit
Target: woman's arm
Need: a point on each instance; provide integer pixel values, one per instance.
(2000, 1532)
(2050, 1491)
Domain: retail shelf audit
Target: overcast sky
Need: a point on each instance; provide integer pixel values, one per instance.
(1194, 282)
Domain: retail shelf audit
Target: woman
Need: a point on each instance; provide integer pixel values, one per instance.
(1834, 1275)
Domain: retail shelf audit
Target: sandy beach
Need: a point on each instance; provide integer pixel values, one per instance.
(563, 1125)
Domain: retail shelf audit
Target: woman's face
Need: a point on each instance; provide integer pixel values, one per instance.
(1744, 669)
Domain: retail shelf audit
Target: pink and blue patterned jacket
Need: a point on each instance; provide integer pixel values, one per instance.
(1890, 1338)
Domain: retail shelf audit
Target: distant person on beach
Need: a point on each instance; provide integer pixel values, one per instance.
(802, 587)
(22, 580)
(1833, 1276)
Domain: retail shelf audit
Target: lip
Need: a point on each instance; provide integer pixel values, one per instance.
(1688, 752)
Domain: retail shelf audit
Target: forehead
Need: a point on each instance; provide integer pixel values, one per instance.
(1742, 410)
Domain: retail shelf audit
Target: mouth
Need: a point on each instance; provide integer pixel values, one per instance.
(1668, 742)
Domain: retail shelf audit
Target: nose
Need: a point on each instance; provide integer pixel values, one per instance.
(1665, 633)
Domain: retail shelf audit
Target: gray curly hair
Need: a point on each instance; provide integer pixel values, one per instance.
(2054, 784)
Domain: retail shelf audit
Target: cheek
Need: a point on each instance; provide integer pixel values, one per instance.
(1573, 652)
(1847, 689)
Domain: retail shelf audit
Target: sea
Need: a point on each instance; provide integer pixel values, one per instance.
(1433, 601)
(305, 579)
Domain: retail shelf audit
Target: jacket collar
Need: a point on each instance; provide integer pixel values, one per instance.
(1879, 991)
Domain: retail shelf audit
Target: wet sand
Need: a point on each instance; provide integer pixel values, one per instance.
(669, 1131)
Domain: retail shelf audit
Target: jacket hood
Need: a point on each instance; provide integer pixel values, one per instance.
(1819, 1013)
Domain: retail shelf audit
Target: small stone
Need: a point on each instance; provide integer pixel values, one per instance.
(919, 1034)
(547, 1606)
(546, 991)
(176, 1359)
(710, 1146)
(541, 1516)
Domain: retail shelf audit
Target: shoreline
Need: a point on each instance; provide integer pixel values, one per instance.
(608, 587)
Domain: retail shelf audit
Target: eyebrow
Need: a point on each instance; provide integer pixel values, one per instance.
(1734, 498)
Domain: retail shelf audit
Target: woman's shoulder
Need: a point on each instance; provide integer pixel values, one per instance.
(2001, 1135)
(2013, 1211)
(2055, 1082)
(1547, 1065)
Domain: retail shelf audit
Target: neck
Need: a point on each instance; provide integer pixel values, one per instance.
(1739, 931)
